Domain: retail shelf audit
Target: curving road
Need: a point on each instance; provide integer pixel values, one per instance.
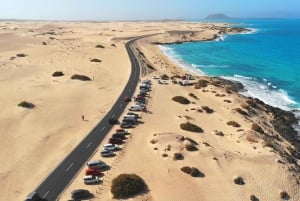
(57, 181)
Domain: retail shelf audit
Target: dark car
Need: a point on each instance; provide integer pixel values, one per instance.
(81, 194)
(119, 135)
(107, 153)
(113, 121)
(126, 125)
(127, 99)
(115, 141)
(134, 114)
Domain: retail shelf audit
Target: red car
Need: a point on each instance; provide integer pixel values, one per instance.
(127, 99)
(93, 172)
(115, 141)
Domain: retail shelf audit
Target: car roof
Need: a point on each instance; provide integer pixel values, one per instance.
(79, 191)
(89, 177)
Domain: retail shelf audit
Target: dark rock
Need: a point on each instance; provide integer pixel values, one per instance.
(96, 60)
(21, 55)
(58, 74)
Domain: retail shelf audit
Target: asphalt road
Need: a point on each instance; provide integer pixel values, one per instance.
(57, 181)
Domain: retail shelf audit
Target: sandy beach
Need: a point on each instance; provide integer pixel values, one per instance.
(34, 141)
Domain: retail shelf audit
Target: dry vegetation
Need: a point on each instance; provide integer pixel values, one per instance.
(80, 77)
(181, 99)
(191, 127)
(126, 186)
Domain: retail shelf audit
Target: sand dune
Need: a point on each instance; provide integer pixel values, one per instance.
(36, 140)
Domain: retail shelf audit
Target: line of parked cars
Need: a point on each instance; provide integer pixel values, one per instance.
(95, 168)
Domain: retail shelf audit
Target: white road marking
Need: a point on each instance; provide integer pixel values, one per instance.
(88, 146)
(70, 166)
(45, 195)
(112, 116)
(103, 128)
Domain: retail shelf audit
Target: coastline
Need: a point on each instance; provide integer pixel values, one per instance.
(224, 152)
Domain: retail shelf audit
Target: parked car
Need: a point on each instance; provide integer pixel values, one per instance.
(90, 179)
(118, 135)
(136, 108)
(111, 147)
(113, 121)
(122, 131)
(115, 141)
(129, 121)
(107, 153)
(126, 125)
(97, 164)
(134, 114)
(92, 171)
(80, 194)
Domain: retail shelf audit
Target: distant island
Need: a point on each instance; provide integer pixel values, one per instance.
(217, 16)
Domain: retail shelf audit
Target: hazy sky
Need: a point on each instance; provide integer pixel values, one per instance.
(144, 9)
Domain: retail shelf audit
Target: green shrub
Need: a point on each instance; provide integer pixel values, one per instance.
(181, 99)
(26, 104)
(80, 77)
(126, 186)
(58, 74)
(191, 127)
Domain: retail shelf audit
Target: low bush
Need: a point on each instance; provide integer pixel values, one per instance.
(100, 46)
(242, 112)
(253, 198)
(80, 77)
(233, 123)
(181, 99)
(191, 147)
(239, 181)
(21, 55)
(26, 104)
(178, 156)
(195, 172)
(207, 109)
(96, 60)
(202, 83)
(284, 195)
(257, 128)
(191, 140)
(58, 74)
(191, 127)
(113, 45)
(127, 186)
(186, 169)
(193, 96)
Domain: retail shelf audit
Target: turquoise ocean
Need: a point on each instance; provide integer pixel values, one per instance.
(266, 60)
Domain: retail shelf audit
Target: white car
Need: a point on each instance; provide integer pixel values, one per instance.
(110, 147)
(90, 179)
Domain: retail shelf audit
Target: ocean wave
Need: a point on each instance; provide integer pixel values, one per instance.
(265, 92)
(177, 60)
